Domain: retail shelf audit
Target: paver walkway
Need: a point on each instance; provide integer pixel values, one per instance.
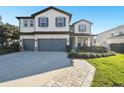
(79, 75)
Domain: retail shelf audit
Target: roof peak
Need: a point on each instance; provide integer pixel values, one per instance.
(111, 29)
(51, 7)
(46, 9)
(82, 20)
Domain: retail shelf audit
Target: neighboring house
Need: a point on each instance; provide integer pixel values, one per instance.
(50, 30)
(112, 36)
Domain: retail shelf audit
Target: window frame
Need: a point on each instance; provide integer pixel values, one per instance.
(31, 22)
(60, 21)
(79, 28)
(40, 22)
(25, 23)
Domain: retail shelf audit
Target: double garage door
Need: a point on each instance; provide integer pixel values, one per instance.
(45, 44)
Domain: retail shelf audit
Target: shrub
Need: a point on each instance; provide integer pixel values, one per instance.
(72, 55)
(68, 48)
(14, 47)
(93, 55)
(86, 55)
(96, 49)
(98, 55)
(103, 54)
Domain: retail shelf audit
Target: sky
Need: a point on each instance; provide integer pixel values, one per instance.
(102, 17)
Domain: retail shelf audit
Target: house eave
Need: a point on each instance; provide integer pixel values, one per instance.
(117, 36)
(51, 7)
(24, 17)
(38, 32)
(81, 34)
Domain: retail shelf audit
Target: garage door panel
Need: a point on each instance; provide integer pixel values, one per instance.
(28, 44)
(51, 44)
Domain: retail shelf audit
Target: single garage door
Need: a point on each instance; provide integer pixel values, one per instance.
(28, 44)
(51, 44)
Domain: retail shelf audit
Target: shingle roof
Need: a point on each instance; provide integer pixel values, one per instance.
(44, 10)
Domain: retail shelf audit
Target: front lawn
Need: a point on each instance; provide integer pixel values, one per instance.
(109, 71)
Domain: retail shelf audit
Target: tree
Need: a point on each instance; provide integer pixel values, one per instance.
(1, 33)
(11, 34)
(0, 18)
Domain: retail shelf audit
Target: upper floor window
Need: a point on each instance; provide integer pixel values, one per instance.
(82, 28)
(31, 23)
(28, 22)
(25, 23)
(43, 22)
(60, 21)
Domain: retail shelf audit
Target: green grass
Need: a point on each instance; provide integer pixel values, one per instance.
(109, 71)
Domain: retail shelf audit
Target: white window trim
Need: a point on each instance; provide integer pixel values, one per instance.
(31, 22)
(28, 22)
(41, 22)
(79, 30)
(25, 21)
(60, 21)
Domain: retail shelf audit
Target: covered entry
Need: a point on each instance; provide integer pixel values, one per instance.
(51, 44)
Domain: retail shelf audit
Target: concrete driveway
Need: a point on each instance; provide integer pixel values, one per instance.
(22, 64)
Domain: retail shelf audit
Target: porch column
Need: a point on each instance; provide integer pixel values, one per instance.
(82, 42)
(21, 45)
(88, 41)
(92, 41)
(36, 45)
(76, 41)
(68, 41)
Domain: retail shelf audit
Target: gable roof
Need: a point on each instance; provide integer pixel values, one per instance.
(111, 29)
(44, 10)
(51, 7)
(82, 20)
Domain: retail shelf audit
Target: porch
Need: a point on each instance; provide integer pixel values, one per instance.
(81, 41)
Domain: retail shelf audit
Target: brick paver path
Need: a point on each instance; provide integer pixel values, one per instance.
(79, 75)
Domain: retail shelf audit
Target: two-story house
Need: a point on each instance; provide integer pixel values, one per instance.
(111, 36)
(50, 30)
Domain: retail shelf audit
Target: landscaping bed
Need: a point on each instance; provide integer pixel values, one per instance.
(91, 52)
(86, 55)
(96, 49)
(109, 71)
